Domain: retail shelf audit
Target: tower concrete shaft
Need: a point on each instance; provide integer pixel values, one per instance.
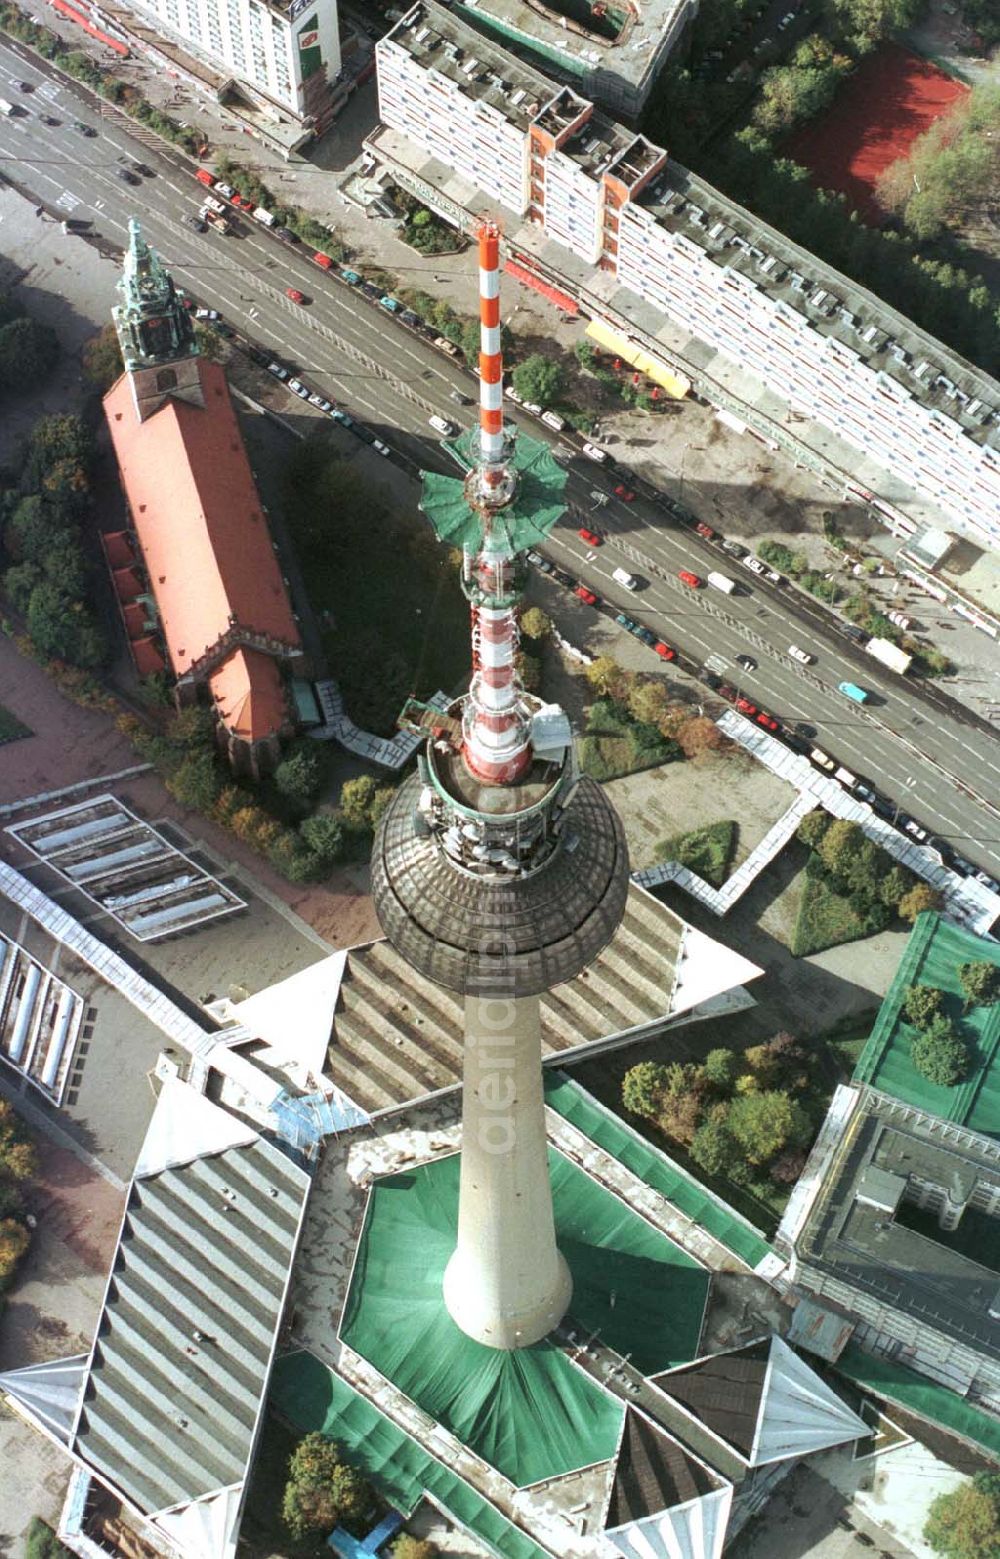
(507, 1285)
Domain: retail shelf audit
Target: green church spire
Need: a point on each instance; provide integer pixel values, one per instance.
(152, 324)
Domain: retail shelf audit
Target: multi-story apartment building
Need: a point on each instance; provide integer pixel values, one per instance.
(613, 57)
(821, 347)
(284, 52)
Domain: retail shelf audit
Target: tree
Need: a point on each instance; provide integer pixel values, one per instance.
(40, 1542)
(839, 846)
(921, 1004)
(18, 1155)
(713, 1148)
(322, 1490)
(54, 439)
(644, 1087)
(765, 1123)
(719, 1068)
(63, 629)
(28, 353)
(298, 777)
(195, 782)
(939, 1054)
(538, 379)
(380, 803)
(191, 727)
(604, 675)
(812, 829)
(920, 898)
(356, 796)
(409, 1547)
(647, 702)
(894, 886)
(980, 983)
(700, 736)
(14, 1241)
(102, 359)
(323, 836)
(965, 1523)
(535, 624)
(787, 1167)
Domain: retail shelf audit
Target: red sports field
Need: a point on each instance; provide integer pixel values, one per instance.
(891, 99)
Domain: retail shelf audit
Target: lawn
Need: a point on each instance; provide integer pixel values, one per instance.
(386, 594)
(707, 851)
(825, 919)
(615, 745)
(11, 729)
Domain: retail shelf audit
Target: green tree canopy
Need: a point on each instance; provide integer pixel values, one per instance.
(939, 1054)
(18, 1154)
(644, 1087)
(965, 1523)
(28, 353)
(714, 1148)
(196, 782)
(812, 829)
(920, 898)
(323, 835)
(102, 359)
(356, 797)
(538, 379)
(298, 777)
(719, 1068)
(764, 1123)
(535, 624)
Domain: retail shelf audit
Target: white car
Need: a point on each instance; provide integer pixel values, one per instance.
(755, 565)
(913, 827)
(593, 453)
(442, 425)
(802, 656)
(224, 189)
(383, 449)
(277, 370)
(298, 388)
(536, 411)
(512, 395)
(320, 401)
(206, 313)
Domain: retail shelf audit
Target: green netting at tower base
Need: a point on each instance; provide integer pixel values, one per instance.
(312, 1397)
(933, 956)
(526, 522)
(530, 1413)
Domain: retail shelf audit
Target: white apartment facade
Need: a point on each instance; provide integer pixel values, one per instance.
(831, 352)
(289, 54)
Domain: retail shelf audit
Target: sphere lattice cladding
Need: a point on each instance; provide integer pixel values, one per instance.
(472, 934)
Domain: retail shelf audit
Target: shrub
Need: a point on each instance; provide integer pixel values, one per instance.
(409, 1547)
(18, 1154)
(939, 1054)
(719, 1068)
(921, 1004)
(965, 1522)
(14, 1241)
(812, 829)
(40, 1542)
(920, 898)
(980, 983)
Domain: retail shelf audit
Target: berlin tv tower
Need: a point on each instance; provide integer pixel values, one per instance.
(498, 871)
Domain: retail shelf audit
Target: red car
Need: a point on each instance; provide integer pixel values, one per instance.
(242, 203)
(586, 595)
(625, 494)
(693, 581)
(664, 651)
(295, 295)
(745, 707)
(590, 537)
(705, 530)
(323, 260)
(767, 721)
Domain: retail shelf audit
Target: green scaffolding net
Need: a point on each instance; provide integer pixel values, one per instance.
(654, 1168)
(527, 520)
(532, 1413)
(890, 1379)
(312, 1397)
(933, 956)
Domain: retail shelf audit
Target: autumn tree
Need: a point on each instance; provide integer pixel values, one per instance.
(765, 1123)
(14, 1241)
(535, 624)
(18, 1155)
(920, 898)
(647, 702)
(408, 1547)
(604, 676)
(699, 737)
(643, 1088)
(322, 1490)
(965, 1522)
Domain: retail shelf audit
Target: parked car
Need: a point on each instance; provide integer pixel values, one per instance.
(351, 277)
(646, 636)
(754, 564)
(537, 561)
(222, 329)
(665, 651)
(392, 304)
(206, 313)
(564, 579)
(277, 370)
(988, 881)
(767, 721)
(734, 548)
(298, 388)
(322, 260)
(624, 493)
(693, 581)
(446, 346)
(383, 449)
(512, 395)
(913, 828)
(586, 595)
(533, 407)
(409, 318)
(320, 401)
(343, 417)
(745, 707)
(628, 623)
(865, 792)
(590, 537)
(285, 233)
(593, 453)
(705, 530)
(295, 295)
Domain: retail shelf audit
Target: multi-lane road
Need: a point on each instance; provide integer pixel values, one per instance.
(932, 759)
